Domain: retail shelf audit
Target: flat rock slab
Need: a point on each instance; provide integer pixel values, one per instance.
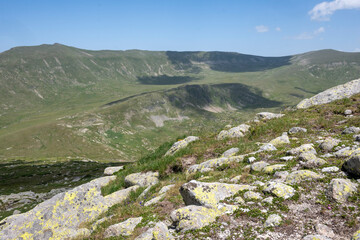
(279, 189)
(340, 189)
(258, 166)
(196, 217)
(61, 216)
(231, 152)
(125, 228)
(302, 175)
(271, 168)
(111, 170)
(341, 91)
(209, 194)
(181, 144)
(142, 179)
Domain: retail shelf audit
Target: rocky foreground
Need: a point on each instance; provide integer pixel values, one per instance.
(293, 175)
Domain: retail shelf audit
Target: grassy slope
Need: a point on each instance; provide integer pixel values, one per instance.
(320, 121)
(76, 83)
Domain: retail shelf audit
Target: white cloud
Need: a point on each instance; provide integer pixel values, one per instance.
(324, 10)
(278, 29)
(261, 28)
(308, 36)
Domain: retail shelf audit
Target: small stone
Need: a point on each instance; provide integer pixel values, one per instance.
(16, 212)
(351, 130)
(181, 144)
(327, 155)
(301, 149)
(287, 158)
(324, 230)
(273, 220)
(348, 112)
(357, 138)
(279, 141)
(267, 147)
(329, 143)
(111, 170)
(251, 159)
(271, 168)
(341, 189)
(166, 188)
(297, 130)
(258, 166)
(239, 200)
(302, 175)
(268, 200)
(268, 115)
(142, 179)
(154, 200)
(330, 169)
(235, 132)
(250, 195)
(281, 174)
(316, 237)
(231, 152)
(279, 190)
(125, 228)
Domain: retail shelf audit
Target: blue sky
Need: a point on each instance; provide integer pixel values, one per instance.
(261, 27)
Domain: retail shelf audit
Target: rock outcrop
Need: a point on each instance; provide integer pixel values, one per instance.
(338, 92)
(181, 144)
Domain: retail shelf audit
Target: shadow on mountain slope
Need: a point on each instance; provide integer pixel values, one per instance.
(165, 80)
(226, 61)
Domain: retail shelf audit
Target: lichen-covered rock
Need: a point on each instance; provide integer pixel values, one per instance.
(273, 220)
(307, 156)
(340, 189)
(61, 216)
(154, 200)
(239, 200)
(209, 194)
(287, 158)
(158, 232)
(301, 149)
(316, 162)
(231, 152)
(345, 152)
(268, 115)
(338, 92)
(181, 144)
(329, 143)
(196, 217)
(351, 130)
(234, 132)
(267, 147)
(356, 235)
(111, 170)
(271, 168)
(279, 189)
(332, 169)
(297, 130)
(258, 166)
(166, 188)
(119, 196)
(352, 165)
(250, 195)
(324, 230)
(125, 228)
(213, 163)
(142, 179)
(279, 141)
(316, 237)
(302, 175)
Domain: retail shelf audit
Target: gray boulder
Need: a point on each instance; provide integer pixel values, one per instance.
(209, 194)
(268, 115)
(329, 143)
(352, 165)
(341, 189)
(231, 152)
(234, 132)
(279, 189)
(181, 144)
(111, 170)
(273, 220)
(351, 130)
(142, 179)
(317, 237)
(125, 228)
(159, 232)
(61, 216)
(297, 130)
(338, 92)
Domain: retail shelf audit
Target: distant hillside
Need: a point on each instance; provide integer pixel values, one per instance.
(43, 85)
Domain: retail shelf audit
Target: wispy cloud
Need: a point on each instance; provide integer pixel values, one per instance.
(308, 36)
(262, 28)
(324, 10)
(278, 29)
